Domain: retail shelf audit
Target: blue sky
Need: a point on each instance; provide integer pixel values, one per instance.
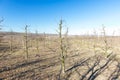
(80, 16)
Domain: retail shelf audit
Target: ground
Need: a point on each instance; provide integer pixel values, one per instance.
(85, 59)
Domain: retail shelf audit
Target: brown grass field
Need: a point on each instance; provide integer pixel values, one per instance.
(87, 58)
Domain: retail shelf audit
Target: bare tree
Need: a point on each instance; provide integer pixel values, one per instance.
(94, 41)
(1, 36)
(1, 22)
(44, 36)
(63, 46)
(106, 45)
(11, 41)
(26, 41)
(37, 42)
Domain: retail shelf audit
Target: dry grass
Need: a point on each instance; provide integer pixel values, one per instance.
(81, 61)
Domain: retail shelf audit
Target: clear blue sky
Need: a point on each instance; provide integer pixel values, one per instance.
(44, 15)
